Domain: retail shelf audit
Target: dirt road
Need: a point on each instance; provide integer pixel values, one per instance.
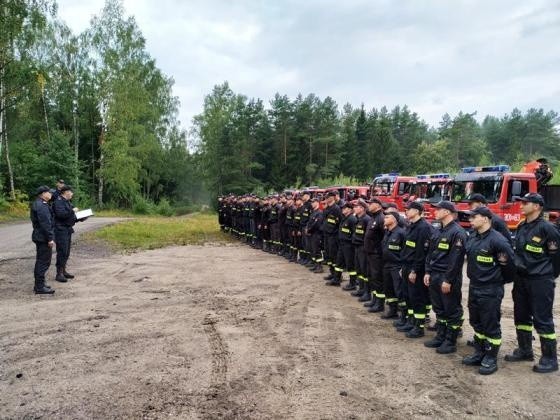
(229, 332)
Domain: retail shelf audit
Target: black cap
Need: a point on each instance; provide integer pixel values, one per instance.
(348, 206)
(482, 210)
(532, 198)
(447, 205)
(306, 192)
(360, 203)
(415, 205)
(477, 198)
(66, 188)
(315, 200)
(389, 205)
(42, 189)
(331, 194)
(375, 200)
(60, 181)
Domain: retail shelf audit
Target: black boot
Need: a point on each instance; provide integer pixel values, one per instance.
(417, 330)
(449, 345)
(390, 312)
(318, 268)
(489, 363)
(371, 302)
(439, 337)
(331, 274)
(43, 291)
(60, 275)
(403, 315)
(351, 284)
(378, 306)
(475, 358)
(408, 325)
(525, 349)
(365, 297)
(66, 273)
(549, 360)
(41, 288)
(335, 280)
(361, 289)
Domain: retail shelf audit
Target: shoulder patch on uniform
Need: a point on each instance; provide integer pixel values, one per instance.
(459, 242)
(552, 245)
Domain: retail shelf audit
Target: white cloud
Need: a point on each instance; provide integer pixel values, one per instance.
(436, 56)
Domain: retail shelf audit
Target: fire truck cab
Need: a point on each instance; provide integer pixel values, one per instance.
(393, 188)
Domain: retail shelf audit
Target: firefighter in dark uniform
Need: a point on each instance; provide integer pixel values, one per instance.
(55, 193)
(282, 225)
(537, 262)
(345, 252)
(444, 277)
(64, 220)
(490, 264)
(273, 225)
(305, 245)
(263, 226)
(221, 212)
(360, 259)
(43, 237)
(313, 233)
(478, 200)
(331, 219)
(372, 246)
(391, 248)
(417, 241)
(290, 213)
(297, 229)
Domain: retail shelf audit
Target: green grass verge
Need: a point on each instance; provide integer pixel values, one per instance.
(158, 232)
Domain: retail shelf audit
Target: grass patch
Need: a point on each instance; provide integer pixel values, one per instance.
(158, 232)
(14, 213)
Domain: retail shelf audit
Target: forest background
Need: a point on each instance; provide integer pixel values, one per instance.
(94, 109)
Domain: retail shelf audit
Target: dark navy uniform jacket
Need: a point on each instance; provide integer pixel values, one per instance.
(417, 243)
(490, 259)
(42, 220)
(536, 249)
(447, 252)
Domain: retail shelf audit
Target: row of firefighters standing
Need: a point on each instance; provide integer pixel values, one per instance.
(405, 268)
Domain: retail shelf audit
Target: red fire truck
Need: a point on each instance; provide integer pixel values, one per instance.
(500, 187)
(431, 189)
(393, 188)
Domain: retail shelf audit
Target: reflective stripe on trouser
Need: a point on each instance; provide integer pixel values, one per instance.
(448, 306)
(532, 304)
(484, 305)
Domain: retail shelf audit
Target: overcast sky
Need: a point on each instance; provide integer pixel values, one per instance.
(435, 56)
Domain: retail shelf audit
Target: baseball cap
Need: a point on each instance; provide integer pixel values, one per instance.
(415, 205)
(476, 198)
(66, 188)
(532, 198)
(360, 203)
(447, 205)
(482, 210)
(375, 200)
(42, 189)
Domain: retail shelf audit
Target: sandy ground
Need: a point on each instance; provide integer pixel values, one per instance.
(206, 332)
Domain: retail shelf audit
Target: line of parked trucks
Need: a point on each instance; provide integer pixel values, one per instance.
(496, 183)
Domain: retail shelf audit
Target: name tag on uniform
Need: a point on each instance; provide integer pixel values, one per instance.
(394, 247)
(535, 249)
(411, 244)
(443, 246)
(483, 259)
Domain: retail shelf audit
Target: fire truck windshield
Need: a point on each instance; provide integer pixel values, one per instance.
(432, 192)
(382, 187)
(489, 187)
